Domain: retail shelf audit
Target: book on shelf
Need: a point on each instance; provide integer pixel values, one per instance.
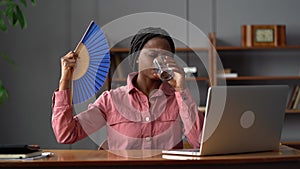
(294, 98)
(190, 71)
(227, 73)
(297, 100)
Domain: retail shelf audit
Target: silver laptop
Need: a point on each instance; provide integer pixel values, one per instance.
(240, 119)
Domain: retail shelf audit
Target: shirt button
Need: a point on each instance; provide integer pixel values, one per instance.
(183, 96)
(148, 138)
(147, 118)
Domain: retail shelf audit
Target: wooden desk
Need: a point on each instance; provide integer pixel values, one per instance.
(286, 158)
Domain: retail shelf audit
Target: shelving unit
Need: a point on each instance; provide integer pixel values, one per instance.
(252, 79)
(256, 79)
(283, 78)
(218, 48)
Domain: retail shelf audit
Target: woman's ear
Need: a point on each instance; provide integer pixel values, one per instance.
(136, 64)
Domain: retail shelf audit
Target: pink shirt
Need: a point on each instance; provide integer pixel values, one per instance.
(132, 121)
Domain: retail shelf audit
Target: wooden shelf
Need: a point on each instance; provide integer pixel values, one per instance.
(229, 48)
(126, 50)
(263, 78)
(292, 111)
(119, 50)
(191, 49)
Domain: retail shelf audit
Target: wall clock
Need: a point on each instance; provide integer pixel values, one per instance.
(263, 35)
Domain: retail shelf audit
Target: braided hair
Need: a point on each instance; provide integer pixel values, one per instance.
(142, 37)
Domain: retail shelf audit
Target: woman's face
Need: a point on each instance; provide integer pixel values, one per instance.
(153, 48)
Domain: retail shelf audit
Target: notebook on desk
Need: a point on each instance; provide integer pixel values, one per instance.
(19, 151)
(241, 119)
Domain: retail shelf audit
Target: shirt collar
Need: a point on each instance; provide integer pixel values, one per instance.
(165, 86)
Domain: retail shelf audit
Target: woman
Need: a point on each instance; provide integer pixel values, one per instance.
(147, 113)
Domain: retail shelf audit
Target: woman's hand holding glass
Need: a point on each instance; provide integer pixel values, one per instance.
(169, 70)
(178, 80)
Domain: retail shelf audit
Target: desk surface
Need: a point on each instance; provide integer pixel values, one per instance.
(153, 158)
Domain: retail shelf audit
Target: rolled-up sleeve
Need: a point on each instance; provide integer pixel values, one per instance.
(66, 126)
(192, 119)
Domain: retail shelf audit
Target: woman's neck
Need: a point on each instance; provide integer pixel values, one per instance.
(146, 85)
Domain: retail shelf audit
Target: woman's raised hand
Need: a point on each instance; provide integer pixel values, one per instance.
(68, 63)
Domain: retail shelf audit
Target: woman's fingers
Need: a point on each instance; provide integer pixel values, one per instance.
(69, 60)
(172, 64)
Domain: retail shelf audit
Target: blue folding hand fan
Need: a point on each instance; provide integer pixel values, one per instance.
(92, 65)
